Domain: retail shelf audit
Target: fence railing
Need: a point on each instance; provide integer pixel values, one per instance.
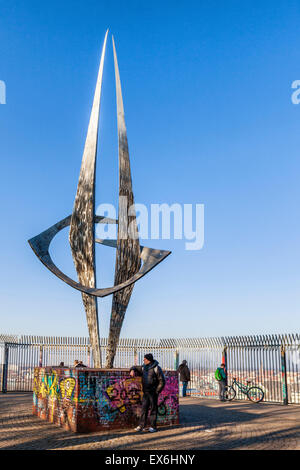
(272, 362)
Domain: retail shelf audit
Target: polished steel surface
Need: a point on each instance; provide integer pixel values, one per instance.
(82, 231)
(41, 243)
(132, 260)
(128, 247)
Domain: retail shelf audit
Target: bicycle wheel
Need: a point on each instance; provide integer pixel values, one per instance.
(230, 393)
(255, 394)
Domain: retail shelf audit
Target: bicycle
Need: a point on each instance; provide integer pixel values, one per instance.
(254, 393)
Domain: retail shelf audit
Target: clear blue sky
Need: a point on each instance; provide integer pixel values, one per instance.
(207, 95)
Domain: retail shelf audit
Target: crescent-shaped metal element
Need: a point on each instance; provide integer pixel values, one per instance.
(40, 244)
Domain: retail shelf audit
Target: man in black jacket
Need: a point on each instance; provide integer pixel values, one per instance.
(153, 382)
(184, 376)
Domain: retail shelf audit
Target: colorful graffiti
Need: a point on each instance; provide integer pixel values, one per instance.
(66, 387)
(90, 399)
(168, 402)
(46, 384)
(124, 394)
(53, 392)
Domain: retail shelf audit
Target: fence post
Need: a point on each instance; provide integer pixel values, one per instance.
(5, 369)
(136, 356)
(224, 360)
(284, 377)
(41, 356)
(89, 356)
(176, 359)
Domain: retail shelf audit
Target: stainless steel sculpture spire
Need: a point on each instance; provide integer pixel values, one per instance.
(82, 227)
(128, 246)
(129, 253)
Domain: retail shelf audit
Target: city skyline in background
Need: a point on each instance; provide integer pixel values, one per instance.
(207, 95)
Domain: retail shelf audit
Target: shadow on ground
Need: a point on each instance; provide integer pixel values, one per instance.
(204, 424)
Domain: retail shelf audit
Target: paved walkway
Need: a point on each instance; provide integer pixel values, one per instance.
(205, 424)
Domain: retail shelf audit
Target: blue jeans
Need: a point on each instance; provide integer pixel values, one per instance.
(184, 387)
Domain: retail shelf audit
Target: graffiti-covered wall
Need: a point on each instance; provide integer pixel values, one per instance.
(85, 400)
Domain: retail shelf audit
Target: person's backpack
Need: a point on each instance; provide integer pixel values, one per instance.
(156, 372)
(218, 375)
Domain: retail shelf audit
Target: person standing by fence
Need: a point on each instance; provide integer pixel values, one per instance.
(184, 376)
(221, 377)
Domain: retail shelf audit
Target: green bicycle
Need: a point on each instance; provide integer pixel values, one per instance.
(254, 393)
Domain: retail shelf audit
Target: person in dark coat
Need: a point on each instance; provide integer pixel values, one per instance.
(184, 376)
(153, 382)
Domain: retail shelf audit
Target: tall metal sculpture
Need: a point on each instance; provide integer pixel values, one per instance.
(82, 227)
(132, 260)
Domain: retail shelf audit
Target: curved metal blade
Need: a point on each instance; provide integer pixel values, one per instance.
(128, 247)
(82, 231)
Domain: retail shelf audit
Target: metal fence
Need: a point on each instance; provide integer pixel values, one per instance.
(271, 362)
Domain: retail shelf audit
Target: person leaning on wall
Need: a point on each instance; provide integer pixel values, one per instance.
(153, 381)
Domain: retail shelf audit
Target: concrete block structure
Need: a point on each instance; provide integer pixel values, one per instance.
(87, 400)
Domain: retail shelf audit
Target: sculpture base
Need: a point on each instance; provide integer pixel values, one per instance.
(87, 400)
